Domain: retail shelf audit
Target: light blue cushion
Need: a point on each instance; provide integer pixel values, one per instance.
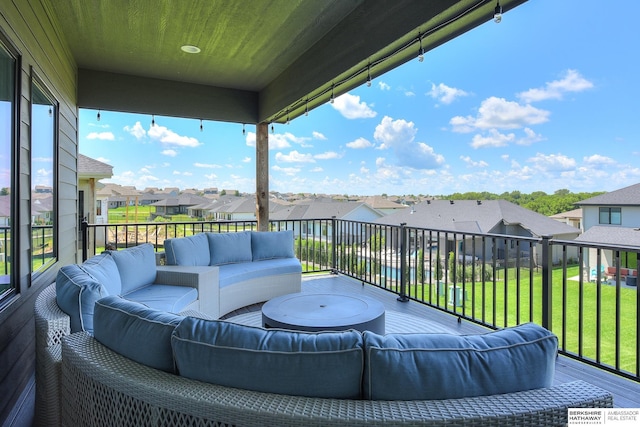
(76, 294)
(135, 331)
(229, 274)
(226, 248)
(136, 265)
(323, 364)
(445, 366)
(272, 244)
(171, 298)
(192, 250)
(103, 268)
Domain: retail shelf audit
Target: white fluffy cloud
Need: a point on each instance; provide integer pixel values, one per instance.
(572, 81)
(168, 137)
(103, 136)
(445, 94)
(136, 130)
(499, 113)
(169, 152)
(350, 107)
(360, 143)
(399, 136)
(552, 162)
(294, 157)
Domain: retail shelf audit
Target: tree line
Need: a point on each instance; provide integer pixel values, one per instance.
(546, 204)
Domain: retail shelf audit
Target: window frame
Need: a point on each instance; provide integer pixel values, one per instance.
(609, 211)
(36, 80)
(10, 48)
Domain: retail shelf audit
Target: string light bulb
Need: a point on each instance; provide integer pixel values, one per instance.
(497, 13)
(153, 120)
(421, 54)
(306, 108)
(273, 130)
(98, 116)
(369, 75)
(244, 131)
(201, 127)
(332, 97)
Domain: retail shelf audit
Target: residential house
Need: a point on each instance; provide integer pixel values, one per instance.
(176, 205)
(481, 216)
(572, 217)
(383, 204)
(91, 205)
(612, 218)
(324, 209)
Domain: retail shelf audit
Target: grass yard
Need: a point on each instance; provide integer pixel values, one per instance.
(575, 312)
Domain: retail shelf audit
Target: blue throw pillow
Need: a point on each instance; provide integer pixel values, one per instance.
(136, 265)
(446, 366)
(227, 248)
(103, 268)
(76, 294)
(322, 364)
(272, 244)
(136, 331)
(192, 250)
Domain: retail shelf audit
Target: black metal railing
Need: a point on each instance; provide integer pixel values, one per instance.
(583, 292)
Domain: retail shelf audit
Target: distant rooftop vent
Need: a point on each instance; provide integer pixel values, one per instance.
(451, 202)
(479, 202)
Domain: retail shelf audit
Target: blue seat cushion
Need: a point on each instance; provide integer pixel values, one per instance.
(234, 273)
(272, 244)
(135, 331)
(225, 248)
(191, 250)
(76, 294)
(171, 298)
(322, 364)
(103, 268)
(136, 265)
(446, 366)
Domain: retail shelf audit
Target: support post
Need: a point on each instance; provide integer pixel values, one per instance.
(403, 263)
(84, 226)
(262, 176)
(547, 271)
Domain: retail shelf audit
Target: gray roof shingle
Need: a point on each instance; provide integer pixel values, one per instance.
(627, 196)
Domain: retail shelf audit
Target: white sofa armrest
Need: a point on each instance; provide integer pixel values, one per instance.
(204, 279)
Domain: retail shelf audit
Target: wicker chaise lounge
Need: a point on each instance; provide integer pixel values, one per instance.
(101, 387)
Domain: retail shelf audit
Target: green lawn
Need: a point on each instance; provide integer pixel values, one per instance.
(568, 301)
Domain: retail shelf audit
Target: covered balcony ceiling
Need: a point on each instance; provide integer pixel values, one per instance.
(259, 60)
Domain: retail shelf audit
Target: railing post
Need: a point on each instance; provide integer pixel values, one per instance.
(403, 263)
(84, 226)
(334, 244)
(547, 278)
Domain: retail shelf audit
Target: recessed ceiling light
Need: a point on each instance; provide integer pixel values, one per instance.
(190, 49)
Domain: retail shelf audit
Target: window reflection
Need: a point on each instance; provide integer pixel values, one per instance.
(7, 107)
(44, 112)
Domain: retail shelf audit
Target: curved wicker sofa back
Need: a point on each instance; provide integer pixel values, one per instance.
(101, 387)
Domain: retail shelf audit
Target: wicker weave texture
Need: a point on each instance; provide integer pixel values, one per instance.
(52, 324)
(100, 387)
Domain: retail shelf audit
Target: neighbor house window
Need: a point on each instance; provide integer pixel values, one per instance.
(9, 78)
(611, 216)
(44, 146)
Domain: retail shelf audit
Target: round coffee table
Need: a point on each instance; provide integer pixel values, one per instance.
(313, 312)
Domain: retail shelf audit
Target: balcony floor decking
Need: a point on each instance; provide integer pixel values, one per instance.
(626, 392)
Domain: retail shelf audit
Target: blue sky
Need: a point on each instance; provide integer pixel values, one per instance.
(545, 100)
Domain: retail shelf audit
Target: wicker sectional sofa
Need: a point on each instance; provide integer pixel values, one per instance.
(183, 378)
